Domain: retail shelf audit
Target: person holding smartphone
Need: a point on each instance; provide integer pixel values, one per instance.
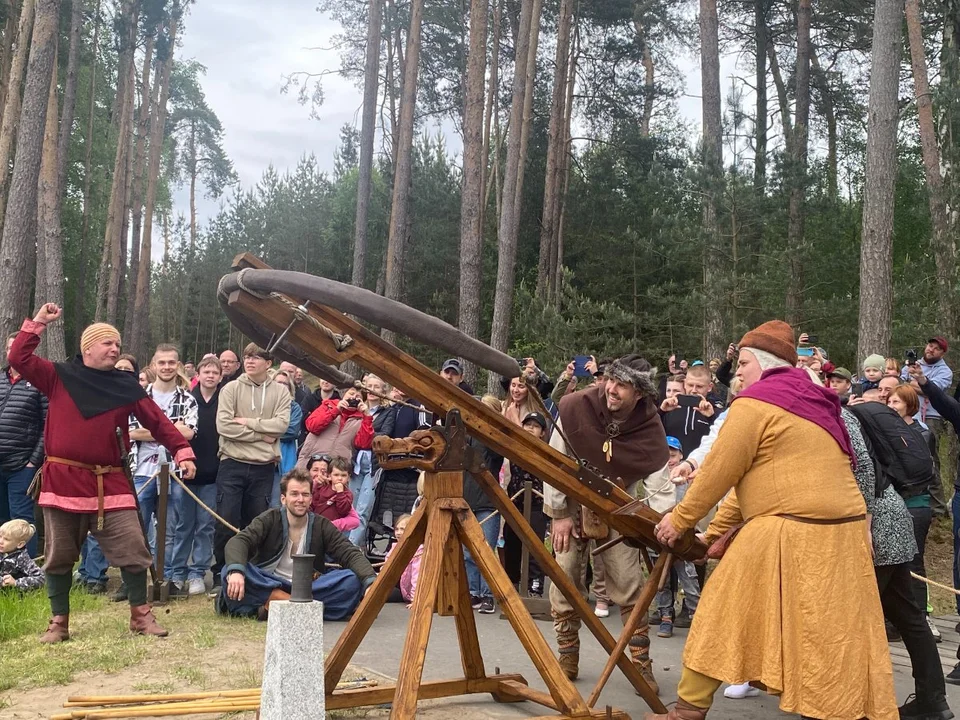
(689, 416)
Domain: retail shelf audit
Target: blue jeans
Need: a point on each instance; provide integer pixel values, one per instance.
(491, 531)
(338, 590)
(193, 534)
(93, 565)
(364, 489)
(689, 583)
(15, 504)
(148, 511)
(955, 508)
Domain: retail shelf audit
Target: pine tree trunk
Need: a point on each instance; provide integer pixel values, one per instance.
(649, 87)
(148, 101)
(6, 64)
(512, 182)
(565, 170)
(944, 250)
(79, 298)
(471, 198)
(368, 128)
(11, 108)
(18, 247)
(141, 324)
(108, 279)
(50, 234)
(876, 249)
(760, 119)
(783, 99)
(490, 111)
(713, 330)
(400, 207)
(69, 93)
(797, 176)
(531, 72)
(556, 151)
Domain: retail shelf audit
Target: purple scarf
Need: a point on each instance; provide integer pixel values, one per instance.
(790, 388)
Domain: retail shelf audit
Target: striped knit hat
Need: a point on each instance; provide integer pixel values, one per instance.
(97, 332)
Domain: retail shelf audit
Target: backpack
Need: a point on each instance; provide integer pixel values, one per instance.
(900, 456)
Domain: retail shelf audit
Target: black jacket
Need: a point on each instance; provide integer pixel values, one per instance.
(206, 441)
(473, 492)
(23, 412)
(263, 540)
(949, 410)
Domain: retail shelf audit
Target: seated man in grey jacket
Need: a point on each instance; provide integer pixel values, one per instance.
(259, 565)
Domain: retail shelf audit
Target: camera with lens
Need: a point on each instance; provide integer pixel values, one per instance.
(353, 402)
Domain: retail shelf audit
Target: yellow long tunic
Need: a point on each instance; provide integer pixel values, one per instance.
(793, 605)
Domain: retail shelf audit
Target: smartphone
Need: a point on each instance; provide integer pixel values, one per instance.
(911, 357)
(688, 401)
(812, 340)
(580, 366)
(856, 390)
(805, 352)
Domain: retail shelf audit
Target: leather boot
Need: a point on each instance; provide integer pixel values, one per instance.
(570, 663)
(646, 671)
(58, 630)
(142, 622)
(681, 711)
(264, 610)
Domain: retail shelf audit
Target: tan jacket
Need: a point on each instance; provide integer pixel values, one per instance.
(267, 409)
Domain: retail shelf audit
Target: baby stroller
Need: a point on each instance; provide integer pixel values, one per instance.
(395, 495)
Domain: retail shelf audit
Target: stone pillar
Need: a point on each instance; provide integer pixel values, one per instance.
(293, 663)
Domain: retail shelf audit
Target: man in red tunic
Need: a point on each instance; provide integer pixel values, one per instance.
(83, 487)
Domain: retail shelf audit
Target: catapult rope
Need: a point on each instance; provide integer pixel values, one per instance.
(517, 494)
(202, 504)
(340, 342)
(928, 581)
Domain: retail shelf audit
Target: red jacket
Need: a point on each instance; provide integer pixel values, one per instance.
(331, 504)
(321, 418)
(335, 432)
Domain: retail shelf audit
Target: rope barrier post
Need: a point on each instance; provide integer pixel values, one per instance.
(524, 553)
(161, 586)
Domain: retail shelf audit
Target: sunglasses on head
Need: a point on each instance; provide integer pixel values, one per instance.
(324, 458)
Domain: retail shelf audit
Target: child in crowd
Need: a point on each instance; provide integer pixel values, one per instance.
(874, 368)
(411, 573)
(515, 477)
(662, 495)
(690, 422)
(17, 568)
(892, 368)
(332, 498)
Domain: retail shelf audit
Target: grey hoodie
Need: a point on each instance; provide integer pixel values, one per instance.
(267, 409)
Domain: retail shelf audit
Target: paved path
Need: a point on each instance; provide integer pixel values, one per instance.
(382, 647)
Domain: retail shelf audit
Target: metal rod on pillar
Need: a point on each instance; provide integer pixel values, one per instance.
(301, 586)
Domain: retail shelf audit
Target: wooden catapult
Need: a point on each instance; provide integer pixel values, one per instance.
(301, 319)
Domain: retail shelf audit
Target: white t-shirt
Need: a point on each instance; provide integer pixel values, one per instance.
(150, 455)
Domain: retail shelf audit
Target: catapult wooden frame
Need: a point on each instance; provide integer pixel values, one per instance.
(445, 525)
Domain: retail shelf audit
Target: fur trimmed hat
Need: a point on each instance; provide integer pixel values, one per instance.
(775, 337)
(634, 370)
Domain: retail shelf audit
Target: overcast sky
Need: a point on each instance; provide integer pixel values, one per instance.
(247, 48)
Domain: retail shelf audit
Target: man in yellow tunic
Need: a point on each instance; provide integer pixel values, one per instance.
(802, 555)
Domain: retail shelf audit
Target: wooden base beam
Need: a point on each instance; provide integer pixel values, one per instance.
(433, 690)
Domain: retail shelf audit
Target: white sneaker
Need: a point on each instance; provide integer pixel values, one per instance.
(934, 630)
(739, 692)
(601, 610)
(196, 586)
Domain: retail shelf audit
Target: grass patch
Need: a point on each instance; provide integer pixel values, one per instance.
(191, 674)
(22, 613)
